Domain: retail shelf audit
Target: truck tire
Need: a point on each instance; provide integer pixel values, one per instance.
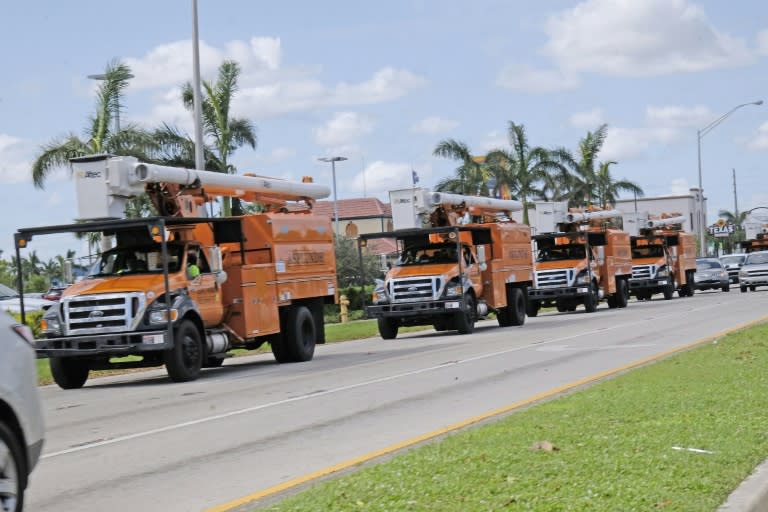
(532, 308)
(591, 299)
(465, 320)
(514, 312)
(13, 471)
(69, 372)
(669, 289)
(184, 360)
(388, 328)
(727, 287)
(516, 306)
(301, 335)
(743, 288)
(622, 293)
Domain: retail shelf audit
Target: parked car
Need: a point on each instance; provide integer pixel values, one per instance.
(9, 301)
(21, 416)
(733, 263)
(754, 272)
(710, 274)
(54, 292)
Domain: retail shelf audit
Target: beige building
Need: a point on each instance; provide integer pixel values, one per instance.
(360, 216)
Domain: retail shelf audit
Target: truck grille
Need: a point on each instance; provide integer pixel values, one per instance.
(556, 278)
(414, 289)
(758, 273)
(97, 314)
(643, 271)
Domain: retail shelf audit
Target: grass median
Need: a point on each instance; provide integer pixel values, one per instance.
(679, 435)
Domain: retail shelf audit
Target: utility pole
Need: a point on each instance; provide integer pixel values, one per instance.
(735, 200)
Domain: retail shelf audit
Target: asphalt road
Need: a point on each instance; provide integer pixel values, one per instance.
(139, 442)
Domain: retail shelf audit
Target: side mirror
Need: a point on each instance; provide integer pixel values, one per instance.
(481, 258)
(214, 257)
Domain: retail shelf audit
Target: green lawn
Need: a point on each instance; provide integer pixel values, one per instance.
(623, 444)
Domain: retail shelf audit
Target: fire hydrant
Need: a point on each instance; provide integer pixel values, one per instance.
(344, 309)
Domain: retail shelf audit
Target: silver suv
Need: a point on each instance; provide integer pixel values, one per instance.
(733, 263)
(21, 417)
(754, 272)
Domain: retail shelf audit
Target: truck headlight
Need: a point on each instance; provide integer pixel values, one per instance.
(454, 290)
(583, 277)
(380, 297)
(50, 325)
(743, 273)
(160, 316)
(663, 272)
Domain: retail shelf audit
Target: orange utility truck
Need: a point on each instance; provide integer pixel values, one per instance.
(663, 256)
(756, 233)
(458, 259)
(182, 288)
(583, 262)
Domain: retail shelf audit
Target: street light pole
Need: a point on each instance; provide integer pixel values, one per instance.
(197, 101)
(333, 160)
(699, 135)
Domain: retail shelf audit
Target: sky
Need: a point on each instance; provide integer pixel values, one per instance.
(382, 83)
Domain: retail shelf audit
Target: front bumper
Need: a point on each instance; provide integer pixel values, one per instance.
(647, 284)
(116, 344)
(415, 309)
(711, 283)
(557, 293)
(753, 281)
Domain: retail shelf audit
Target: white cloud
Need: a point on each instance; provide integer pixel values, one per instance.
(15, 164)
(494, 140)
(525, 79)
(434, 125)
(277, 155)
(679, 186)
(589, 119)
(385, 85)
(640, 38)
(381, 177)
(679, 117)
(760, 140)
(343, 128)
(762, 43)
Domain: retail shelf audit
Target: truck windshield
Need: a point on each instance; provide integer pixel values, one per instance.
(136, 260)
(444, 253)
(562, 252)
(648, 251)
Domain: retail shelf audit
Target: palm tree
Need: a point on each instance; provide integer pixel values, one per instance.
(471, 176)
(590, 181)
(99, 136)
(737, 219)
(228, 133)
(523, 169)
(608, 189)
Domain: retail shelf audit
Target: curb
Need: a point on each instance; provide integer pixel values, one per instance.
(751, 495)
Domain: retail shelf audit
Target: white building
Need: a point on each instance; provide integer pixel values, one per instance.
(687, 205)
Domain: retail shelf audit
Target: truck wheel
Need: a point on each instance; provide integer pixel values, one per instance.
(69, 372)
(465, 320)
(388, 328)
(752, 288)
(743, 289)
(532, 308)
(516, 306)
(184, 360)
(591, 298)
(300, 335)
(622, 293)
(12, 471)
(727, 287)
(669, 289)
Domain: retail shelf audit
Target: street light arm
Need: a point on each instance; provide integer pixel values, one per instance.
(723, 117)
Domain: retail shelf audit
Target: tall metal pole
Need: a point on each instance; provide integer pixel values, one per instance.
(197, 97)
(335, 202)
(699, 134)
(702, 237)
(333, 160)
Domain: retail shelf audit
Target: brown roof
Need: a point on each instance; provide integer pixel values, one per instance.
(382, 246)
(360, 208)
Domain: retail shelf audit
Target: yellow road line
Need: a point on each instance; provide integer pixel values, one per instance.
(309, 477)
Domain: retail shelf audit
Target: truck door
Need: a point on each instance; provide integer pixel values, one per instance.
(203, 288)
(471, 269)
